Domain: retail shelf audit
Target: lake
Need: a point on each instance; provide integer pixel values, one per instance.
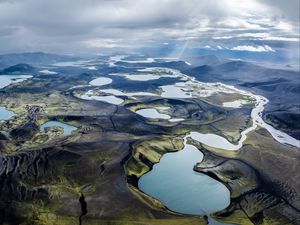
(5, 114)
(174, 182)
(67, 128)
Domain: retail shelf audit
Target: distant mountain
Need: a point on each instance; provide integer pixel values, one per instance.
(34, 58)
(237, 66)
(18, 69)
(205, 69)
(179, 65)
(238, 72)
(209, 60)
(281, 87)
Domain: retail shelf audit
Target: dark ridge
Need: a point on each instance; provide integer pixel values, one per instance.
(237, 65)
(257, 218)
(24, 131)
(254, 84)
(146, 161)
(33, 58)
(203, 69)
(19, 68)
(3, 137)
(133, 180)
(83, 206)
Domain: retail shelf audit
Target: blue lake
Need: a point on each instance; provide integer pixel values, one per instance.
(6, 80)
(67, 128)
(174, 182)
(5, 114)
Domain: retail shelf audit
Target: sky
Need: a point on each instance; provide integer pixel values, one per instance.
(91, 26)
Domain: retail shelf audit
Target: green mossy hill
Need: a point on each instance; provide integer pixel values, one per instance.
(261, 191)
(149, 152)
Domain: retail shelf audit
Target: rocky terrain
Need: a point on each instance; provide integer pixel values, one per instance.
(91, 175)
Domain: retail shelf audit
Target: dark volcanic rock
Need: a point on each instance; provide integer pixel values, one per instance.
(22, 174)
(24, 131)
(19, 68)
(3, 137)
(258, 182)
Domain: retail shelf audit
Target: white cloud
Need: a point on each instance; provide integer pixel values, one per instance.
(272, 38)
(239, 23)
(223, 37)
(255, 35)
(258, 36)
(76, 25)
(284, 25)
(105, 43)
(250, 48)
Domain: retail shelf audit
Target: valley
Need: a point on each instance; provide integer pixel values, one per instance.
(143, 141)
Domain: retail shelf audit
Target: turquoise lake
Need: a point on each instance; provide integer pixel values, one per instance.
(5, 114)
(67, 128)
(174, 182)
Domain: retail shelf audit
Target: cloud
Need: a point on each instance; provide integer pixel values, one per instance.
(288, 9)
(237, 23)
(258, 36)
(72, 26)
(270, 38)
(249, 48)
(105, 43)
